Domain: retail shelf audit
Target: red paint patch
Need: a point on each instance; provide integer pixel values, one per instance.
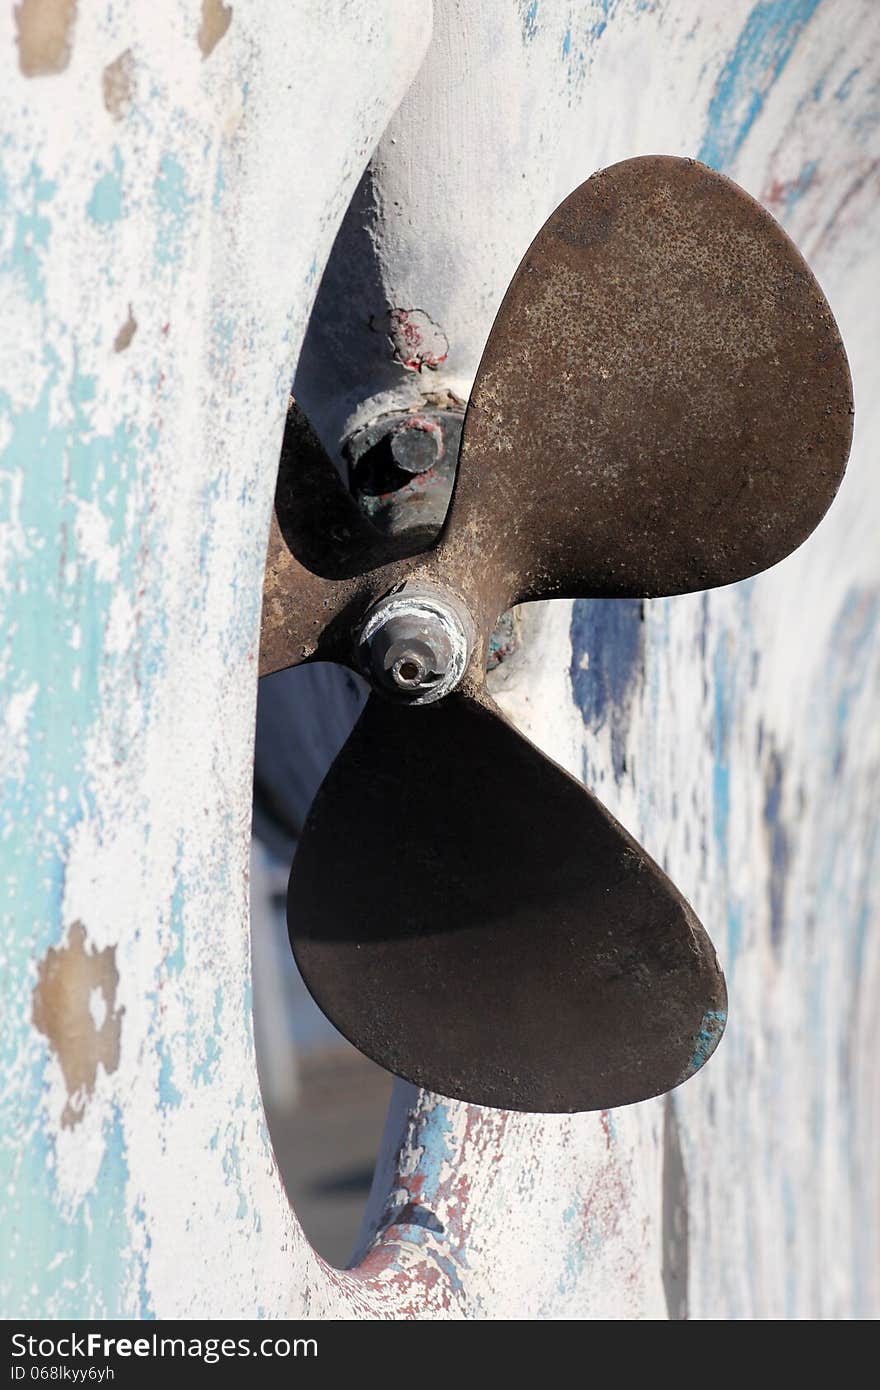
(417, 341)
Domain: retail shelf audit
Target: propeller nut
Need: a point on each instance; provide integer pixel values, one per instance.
(415, 645)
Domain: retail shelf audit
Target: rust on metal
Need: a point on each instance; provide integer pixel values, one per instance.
(663, 405)
(667, 385)
(510, 944)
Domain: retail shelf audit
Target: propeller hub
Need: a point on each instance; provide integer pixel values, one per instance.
(414, 645)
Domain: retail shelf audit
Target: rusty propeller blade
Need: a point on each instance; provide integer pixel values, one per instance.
(475, 921)
(664, 403)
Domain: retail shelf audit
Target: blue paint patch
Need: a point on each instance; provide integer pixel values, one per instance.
(530, 21)
(734, 931)
(58, 1262)
(106, 203)
(708, 1038)
(169, 1096)
(175, 205)
(176, 955)
(844, 90)
(417, 1219)
(580, 40)
(31, 230)
(219, 184)
(231, 1163)
(436, 1150)
(62, 464)
(450, 1269)
(585, 1245)
(222, 339)
(146, 1311)
(607, 663)
(762, 51)
(205, 1069)
(797, 188)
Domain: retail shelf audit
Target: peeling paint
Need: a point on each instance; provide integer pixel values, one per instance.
(529, 19)
(133, 504)
(216, 19)
(416, 340)
(106, 203)
(764, 47)
(133, 543)
(607, 664)
(117, 84)
(44, 33)
(708, 1038)
(175, 205)
(64, 1009)
(126, 333)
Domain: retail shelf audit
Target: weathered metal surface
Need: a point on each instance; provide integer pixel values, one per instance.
(698, 437)
(664, 404)
(402, 469)
(415, 645)
(761, 802)
(518, 949)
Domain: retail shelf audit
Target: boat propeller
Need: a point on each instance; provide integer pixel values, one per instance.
(663, 405)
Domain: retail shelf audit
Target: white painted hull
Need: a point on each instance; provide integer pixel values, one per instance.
(166, 221)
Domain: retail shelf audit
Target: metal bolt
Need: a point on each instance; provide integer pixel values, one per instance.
(416, 446)
(415, 645)
(402, 468)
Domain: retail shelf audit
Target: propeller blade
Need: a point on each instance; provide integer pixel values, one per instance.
(664, 403)
(475, 921)
(324, 560)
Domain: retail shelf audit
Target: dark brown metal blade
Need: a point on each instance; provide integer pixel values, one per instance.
(325, 562)
(474, 920)
(664, 403)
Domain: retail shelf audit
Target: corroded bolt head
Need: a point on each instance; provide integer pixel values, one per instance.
(414, 645)
(416, 447)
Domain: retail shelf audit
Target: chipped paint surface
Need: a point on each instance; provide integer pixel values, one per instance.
(737, 737)
(44, 34)
(608, 658)
(417, 342)
(126, 333)
(75, 1007)
(216, 19)
(136, 486)
(117, 84)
